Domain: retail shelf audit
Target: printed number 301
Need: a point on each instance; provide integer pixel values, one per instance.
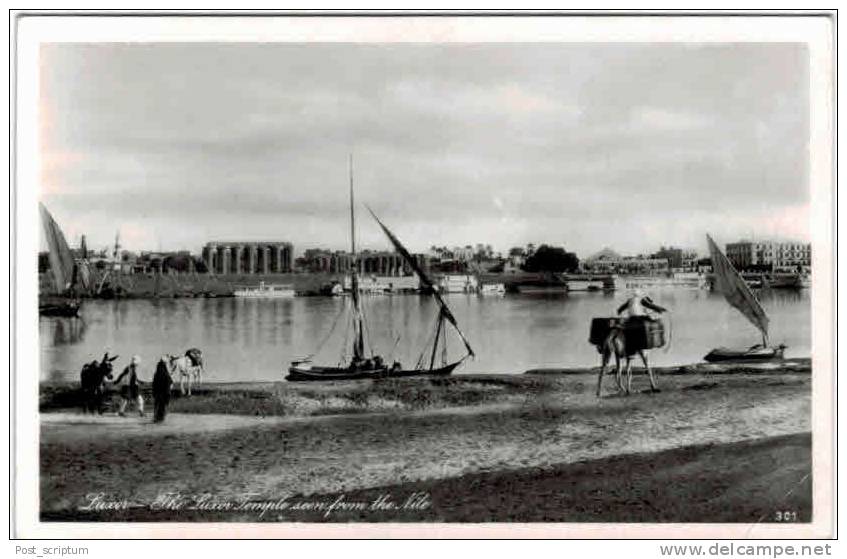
(786, 516)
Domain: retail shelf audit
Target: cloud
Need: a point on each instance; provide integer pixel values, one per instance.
(582, 144)
(661, 119)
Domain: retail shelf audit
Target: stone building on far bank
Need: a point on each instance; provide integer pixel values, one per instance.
(248, 257)
(380, 263)
(790, 255)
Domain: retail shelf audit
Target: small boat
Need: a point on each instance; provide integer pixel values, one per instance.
(737, 292)
(371, 366)
(63, 302)
(782, 281)
(492, 289)
(62, 308)
(754, 353)
(265, 291)
(527, 289)
(453, 283)
(584, 285)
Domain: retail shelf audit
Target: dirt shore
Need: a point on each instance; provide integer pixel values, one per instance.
(474, 448)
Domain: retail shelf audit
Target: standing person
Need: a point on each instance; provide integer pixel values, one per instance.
(162, 382)
(634, 307)
(131, 393)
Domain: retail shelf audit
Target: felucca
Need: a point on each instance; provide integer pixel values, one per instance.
(363, 365)
(737, 293)
(63, 300)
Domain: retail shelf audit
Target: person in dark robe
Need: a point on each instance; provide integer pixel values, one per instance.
(162, 382)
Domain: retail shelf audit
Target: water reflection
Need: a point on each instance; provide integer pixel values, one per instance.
(63, 331)
(254, 339)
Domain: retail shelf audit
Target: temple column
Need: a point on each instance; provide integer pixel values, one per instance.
(280, 258)
(266, 256)
(225, 257)
(252, 257)
(209, 257)
(237, 254)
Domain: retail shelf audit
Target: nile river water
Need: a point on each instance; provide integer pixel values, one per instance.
(251, 339)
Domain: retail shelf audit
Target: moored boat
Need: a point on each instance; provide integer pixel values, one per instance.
(362, 365)
(782, 281)
(68, 308)
(265, 291)
(754, 353)
(738, 294)
(63, 302)
(492, 289)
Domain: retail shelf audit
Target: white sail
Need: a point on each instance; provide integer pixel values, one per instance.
(733, 287)
(61, 259)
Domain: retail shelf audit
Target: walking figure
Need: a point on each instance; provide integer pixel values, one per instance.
(131, 394)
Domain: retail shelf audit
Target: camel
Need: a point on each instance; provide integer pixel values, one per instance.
(615, 344)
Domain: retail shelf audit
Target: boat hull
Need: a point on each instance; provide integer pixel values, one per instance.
(759, 354)
(68, 309)
(298, 373)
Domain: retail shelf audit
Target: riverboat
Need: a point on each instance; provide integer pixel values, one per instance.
(265, 291)
(489, 289)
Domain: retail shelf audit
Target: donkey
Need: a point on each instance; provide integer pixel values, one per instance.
(91, 380)
(187, 366)
(615, 344)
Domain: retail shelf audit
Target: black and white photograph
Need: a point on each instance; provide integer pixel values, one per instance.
(394, 273)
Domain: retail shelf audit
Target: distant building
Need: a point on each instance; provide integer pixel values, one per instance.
(775, 255)
(248, 257)
(679, 260)
(608, 261)
(464, 254)
(378, 263)
(515, 261)
(689, 260)
(672, 255)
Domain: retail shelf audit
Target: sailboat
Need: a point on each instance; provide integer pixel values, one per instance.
(66, 275)
(737, 293)
(364, 366)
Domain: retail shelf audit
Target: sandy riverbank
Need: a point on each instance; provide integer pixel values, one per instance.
(476, 445)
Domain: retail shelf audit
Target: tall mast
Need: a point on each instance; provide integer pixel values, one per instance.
(358, 333)
(352, 215)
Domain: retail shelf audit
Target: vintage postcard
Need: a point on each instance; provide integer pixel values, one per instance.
(424, 276)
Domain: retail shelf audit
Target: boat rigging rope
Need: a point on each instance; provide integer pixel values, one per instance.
(427, 344)
(328, 334)
(347, 329)
(367, 330)
(444, 349)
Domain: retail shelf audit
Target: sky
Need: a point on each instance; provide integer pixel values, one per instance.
(585, 146)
